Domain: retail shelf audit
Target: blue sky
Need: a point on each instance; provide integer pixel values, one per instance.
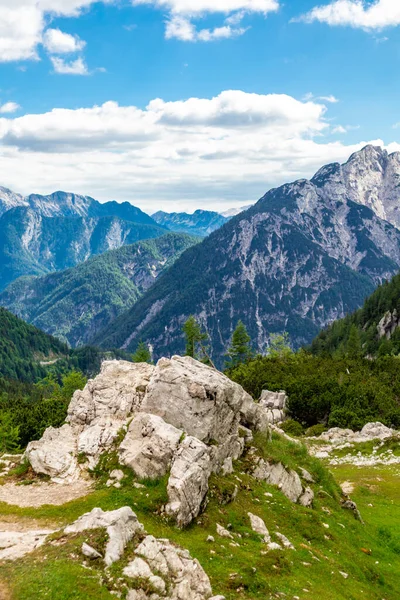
(252, 93)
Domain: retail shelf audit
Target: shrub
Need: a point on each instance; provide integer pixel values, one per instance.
(315, 430)
(292, 427)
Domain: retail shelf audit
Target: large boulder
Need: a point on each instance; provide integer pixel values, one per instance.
(149, 446)
(195, 398)
(55, 455)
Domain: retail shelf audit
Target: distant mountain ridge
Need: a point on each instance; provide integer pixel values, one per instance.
(200, 223)
(75, 304)
(306, 254)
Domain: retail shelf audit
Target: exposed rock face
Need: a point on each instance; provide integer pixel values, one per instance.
(188, 482)
(55, 454)
(121, 525)
(201, 401)
(288, 481)
(275, 405)
(371, 431)
(258, 526)
(149, 446)
(388, 324)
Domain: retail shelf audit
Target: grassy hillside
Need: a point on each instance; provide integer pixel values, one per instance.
(335, 557)
(75, 304)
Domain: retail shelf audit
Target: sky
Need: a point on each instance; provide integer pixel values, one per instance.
(186, 104)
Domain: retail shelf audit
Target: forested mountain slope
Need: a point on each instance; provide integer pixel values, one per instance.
(373, 330)
(31, 244)
(74, 304)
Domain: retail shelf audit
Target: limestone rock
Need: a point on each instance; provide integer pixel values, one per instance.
(287, 481)
(222, 532)
(90, 552)
(275, 405)
(14, 545)
(116, 392)
(285, 542)
(121, 525)
(188, 481)
(149, 446)
(201, 401)
(184, 575)
(98, 438)
(55, 455)
(307, 497)
(258, 526)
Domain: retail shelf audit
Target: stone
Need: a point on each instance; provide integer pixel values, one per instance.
(258, 526)
(376, 431)
(274, 546)
(55, 455)
(307, 497)
(188, 481)
(14, 545)
(222, 532)
(90, 552)
(201, 401)
(116, 393)
(149, 446)
(210, 538)
(185, 577)
(287, 481)
(285, 542)
(227, 466)
(117, 474)
(306, 475)
(121, 525)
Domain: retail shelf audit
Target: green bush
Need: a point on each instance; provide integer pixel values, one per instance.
(315, 430)
(292, 427)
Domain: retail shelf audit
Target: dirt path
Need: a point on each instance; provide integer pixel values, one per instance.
(4, 592)
(36, 495)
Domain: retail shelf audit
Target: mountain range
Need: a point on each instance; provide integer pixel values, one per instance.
(76, 303)
(201, 223)
(307, 253)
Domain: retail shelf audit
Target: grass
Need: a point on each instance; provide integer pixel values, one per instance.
(246, 572)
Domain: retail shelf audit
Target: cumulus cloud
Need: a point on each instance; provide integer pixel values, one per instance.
(72, 67)
(182, 14)
(357, 13)
(9, 107)
(57, 42)
(208, 152)
(22, 25)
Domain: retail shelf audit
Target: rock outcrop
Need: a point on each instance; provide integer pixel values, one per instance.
(275, 405)
(14, 544)
(179, 417)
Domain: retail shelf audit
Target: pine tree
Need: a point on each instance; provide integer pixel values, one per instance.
(194, 340)
(279, 346)
(142, 354)
(240, 349)
(353, 347)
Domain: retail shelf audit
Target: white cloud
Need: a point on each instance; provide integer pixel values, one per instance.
(200, 152)
(73, 67)
(9, 107)
(181, 28)
(22, 24)
(330, 99)
(357, 13)
(57, 42)
(182, 13)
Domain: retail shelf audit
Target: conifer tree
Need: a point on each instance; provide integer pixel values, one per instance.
(142, 354)
(353, 347)
(240, 349)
